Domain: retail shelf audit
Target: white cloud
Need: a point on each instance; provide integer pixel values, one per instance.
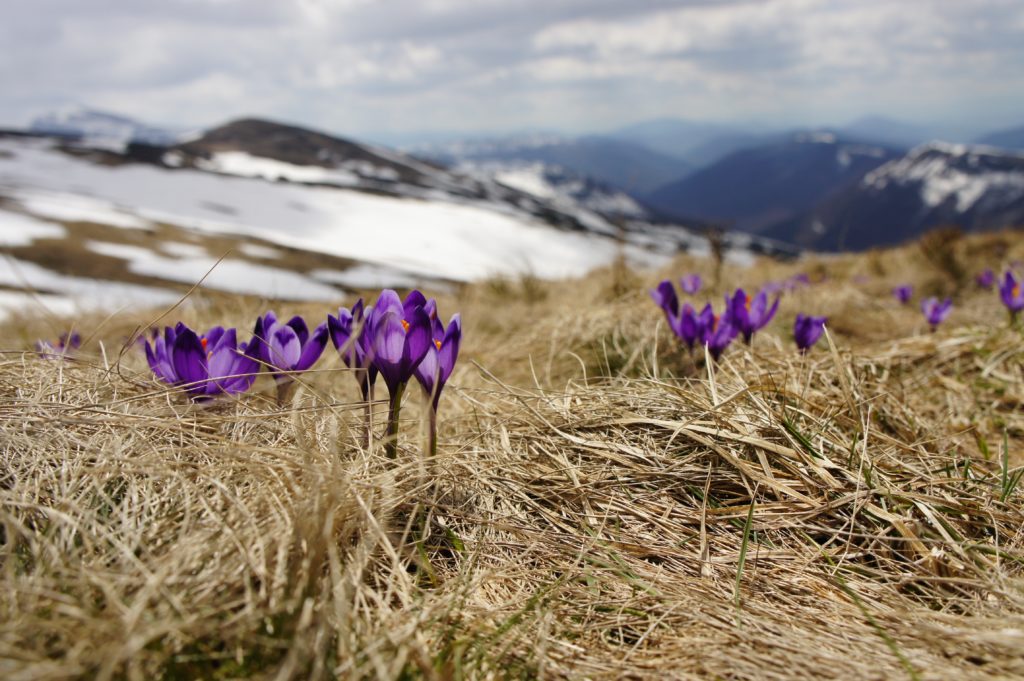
(360, 65)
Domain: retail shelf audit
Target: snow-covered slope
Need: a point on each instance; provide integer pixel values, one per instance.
(297, 214)
(973, 187)
(563, 188)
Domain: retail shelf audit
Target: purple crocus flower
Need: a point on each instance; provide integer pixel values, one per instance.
(750, 315)
(205, 365)
(691, 284)
(665, 297)
(687, 326)
(986, 279)
(66, 345)
(348, 332)
(807, 330)
(287, 347)
(399, 336)
(934, 311)
(903, 293)
(438, 363)
(718, 333)
(1011, 294)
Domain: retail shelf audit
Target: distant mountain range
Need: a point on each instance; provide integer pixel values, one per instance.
(754, 188)
(936, 184)
(855, 186)
(1012, 139)
(629, 166)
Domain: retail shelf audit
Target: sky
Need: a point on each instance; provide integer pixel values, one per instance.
(402, 68)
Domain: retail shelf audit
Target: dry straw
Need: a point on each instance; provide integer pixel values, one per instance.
(600, 506)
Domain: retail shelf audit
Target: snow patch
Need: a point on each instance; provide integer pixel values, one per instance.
(179, 249)
(79, 293)
(367, 276)
(76, 208)
(17, 229)
(246, 165)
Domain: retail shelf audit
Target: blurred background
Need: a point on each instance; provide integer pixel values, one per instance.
(307, 149)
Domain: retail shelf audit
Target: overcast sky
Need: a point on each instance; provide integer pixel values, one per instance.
(365, 67)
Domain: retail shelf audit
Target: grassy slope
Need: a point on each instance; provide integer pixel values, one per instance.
(598, 507)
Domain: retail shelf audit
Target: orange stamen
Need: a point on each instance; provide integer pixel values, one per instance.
(437, 343)
(203, 341)
(1015, 291)
(405, 326)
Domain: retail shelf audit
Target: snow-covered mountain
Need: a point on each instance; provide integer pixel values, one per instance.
(100, 129)
(563, 188)
(300, 215)
(757, 187)
(626, 165)
(972, 187)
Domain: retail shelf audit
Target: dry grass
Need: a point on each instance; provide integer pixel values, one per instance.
(600, 506)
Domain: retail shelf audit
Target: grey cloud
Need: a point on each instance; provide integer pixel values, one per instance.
(359, 64)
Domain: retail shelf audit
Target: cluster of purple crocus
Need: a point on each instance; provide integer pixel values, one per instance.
(936, 311)
(741, 315)
(65, 345)
(394, 339)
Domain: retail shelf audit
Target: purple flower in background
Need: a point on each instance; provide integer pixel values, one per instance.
(807, 330)
(798, 280)
(1011, 294)
(66, 345)
(934, 311)
(665, 297)
(986, 279)
(718, 333)
(691, 284)
(903, 293)
(348, 332)
(205, 365)
(687, 325)
(750, 315)
(287, 347)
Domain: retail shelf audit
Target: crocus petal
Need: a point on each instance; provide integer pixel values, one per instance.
(285, 348)
(412, 301)
(298, 325)
(313, 348)
(428, 371)
(417, 341)
(189, 358)
(665, 297)
(449, 351)
(388, 301)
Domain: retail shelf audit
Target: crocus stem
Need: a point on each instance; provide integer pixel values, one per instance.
(433, 431)
(394, 409)
(284, 390)
(367, 390)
